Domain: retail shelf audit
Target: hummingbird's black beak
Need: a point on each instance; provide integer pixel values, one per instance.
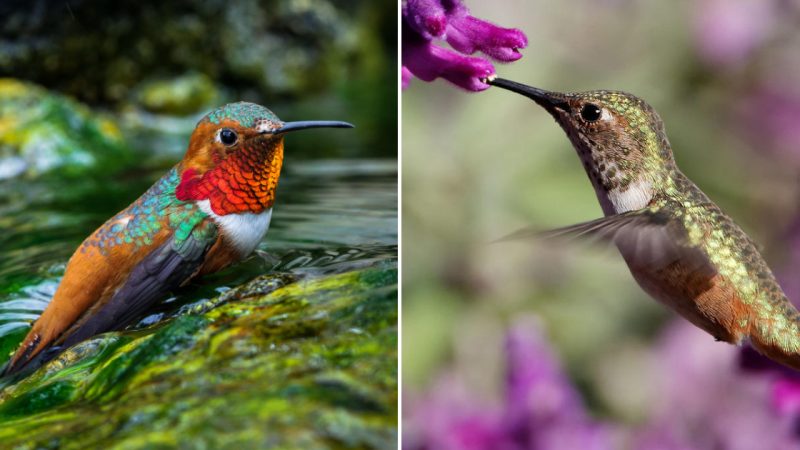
(306, 124)
(551, 101)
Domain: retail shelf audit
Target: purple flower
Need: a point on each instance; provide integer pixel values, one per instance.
(426, 20)
(704, 401)
(541, 409)
(469, 35)
(699, 399)
(786, 396)
(449, 418)
(406, 77)
(426, 17)
(428, 62)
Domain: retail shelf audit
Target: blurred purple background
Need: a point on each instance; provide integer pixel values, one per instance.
(546, 347)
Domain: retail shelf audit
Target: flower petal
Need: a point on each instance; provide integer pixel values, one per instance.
(426, 17)
(428, 62)
(468, 34)
(405, 77)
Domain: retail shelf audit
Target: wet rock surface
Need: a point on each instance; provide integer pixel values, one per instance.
(310, 364)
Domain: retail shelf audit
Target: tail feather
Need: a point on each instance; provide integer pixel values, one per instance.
(29, 348)
(25, 367)
(772, 350)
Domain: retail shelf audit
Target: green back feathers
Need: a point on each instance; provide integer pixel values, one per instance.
(154, 210)
(243, 112)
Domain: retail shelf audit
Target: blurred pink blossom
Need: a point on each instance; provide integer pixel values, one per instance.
(703, 399)
(728, 31)
(541, 410)
(771, 116)
(707, 401)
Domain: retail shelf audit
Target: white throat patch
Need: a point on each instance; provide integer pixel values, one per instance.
(636, 196)
(244, 230)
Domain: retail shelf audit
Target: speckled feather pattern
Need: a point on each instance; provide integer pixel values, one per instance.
(773, 318)
(729, 248)
(143, 219)
(613, 165)
(243, 112)
(631, 148)
(245, 182)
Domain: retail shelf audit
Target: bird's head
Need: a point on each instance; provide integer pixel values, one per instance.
(619, 137)
(235, 156)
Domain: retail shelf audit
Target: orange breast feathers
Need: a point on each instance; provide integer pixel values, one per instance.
(239, 180)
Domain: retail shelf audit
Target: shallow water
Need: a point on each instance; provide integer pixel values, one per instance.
(330, 217)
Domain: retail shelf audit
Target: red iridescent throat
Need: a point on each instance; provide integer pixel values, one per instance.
(243, 182)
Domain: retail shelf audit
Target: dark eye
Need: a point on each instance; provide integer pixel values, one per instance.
(590, 112)
(228, 136)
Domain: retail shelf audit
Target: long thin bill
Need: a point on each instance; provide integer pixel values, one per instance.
(306, 124)
(548, 100)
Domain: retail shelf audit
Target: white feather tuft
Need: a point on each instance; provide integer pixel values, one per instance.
(245, 230)
(636, 196)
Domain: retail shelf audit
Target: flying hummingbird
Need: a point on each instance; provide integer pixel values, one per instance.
(209, 211)
(679, 246)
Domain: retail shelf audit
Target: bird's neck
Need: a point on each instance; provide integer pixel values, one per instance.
(244, 182)
(643, 188)
(633, 190)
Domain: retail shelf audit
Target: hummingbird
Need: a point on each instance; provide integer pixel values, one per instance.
(680, 247)
(209, 211)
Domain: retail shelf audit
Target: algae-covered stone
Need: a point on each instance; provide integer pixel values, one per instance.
(311, 364)
(41, 131)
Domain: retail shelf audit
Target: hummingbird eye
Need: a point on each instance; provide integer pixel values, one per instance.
(591, 112)
(228, 136)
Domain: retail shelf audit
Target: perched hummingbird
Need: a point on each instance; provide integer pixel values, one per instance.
(210, 210)
(679, 246)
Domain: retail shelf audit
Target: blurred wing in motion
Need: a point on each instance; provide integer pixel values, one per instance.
(644, 237)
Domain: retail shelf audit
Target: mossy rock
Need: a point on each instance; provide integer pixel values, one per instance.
(41, 132)
(311, 364)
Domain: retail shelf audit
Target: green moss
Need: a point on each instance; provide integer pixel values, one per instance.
(310, 364)
(40, 398)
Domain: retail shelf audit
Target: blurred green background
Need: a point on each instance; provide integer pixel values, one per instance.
(153, 61)
(97, 101)
(478, 166)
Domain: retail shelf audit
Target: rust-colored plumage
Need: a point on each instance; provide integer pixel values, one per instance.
(211, 210)
(245, 184)
(680, 247)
